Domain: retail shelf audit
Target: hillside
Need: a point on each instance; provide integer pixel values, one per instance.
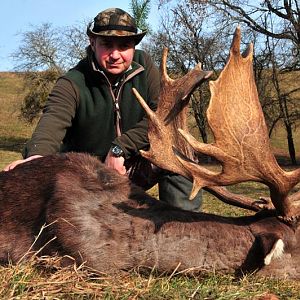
(14, 131)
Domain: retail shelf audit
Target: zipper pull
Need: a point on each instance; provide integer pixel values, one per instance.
(117, 108)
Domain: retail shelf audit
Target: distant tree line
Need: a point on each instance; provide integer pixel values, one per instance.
(195, 31)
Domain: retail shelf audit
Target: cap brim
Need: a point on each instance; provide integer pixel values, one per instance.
(137, 37)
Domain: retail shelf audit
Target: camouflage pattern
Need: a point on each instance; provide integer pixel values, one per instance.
(114, 22)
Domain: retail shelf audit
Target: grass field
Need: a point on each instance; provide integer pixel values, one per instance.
(44, 279)
(13, 131)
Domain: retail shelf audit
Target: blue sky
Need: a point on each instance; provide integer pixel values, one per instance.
(17, 16)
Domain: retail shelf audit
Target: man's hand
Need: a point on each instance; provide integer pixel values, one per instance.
(116, 163)
(20, 161)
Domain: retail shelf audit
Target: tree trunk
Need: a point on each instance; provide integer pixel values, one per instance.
(200, 118)
(291, 144)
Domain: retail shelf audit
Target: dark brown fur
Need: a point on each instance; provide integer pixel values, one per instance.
(97, 216)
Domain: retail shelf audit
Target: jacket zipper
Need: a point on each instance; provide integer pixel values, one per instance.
(116, 99)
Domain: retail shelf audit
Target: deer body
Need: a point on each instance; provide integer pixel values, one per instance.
(97, 216)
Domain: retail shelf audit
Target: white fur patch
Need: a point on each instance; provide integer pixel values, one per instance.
(276, 251)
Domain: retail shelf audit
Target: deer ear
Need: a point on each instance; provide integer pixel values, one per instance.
(272, 247)
(276, 251)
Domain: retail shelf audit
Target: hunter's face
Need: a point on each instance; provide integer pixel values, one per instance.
(113, 54)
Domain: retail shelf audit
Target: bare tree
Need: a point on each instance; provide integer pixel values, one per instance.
(285, 13)
(73, 45)
(275, 28)
(278, 93)
(184, 31)
(38, 49)
(284, 98)
(46, 47)
(44, 54)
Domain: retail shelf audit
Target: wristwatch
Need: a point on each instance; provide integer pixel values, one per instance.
(116, 151)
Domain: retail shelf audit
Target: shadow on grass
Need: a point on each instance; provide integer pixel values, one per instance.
(285, 160)
(12, 143)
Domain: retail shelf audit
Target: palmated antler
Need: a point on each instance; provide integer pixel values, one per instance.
(241, 138)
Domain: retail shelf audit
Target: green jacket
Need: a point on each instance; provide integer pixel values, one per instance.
(80, 113)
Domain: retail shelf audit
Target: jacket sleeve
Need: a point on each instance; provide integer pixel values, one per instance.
(136, 138)
(57, 116)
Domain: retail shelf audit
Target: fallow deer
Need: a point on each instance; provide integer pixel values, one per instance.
(97, 216)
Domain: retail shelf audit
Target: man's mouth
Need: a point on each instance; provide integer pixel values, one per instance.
(114, 64)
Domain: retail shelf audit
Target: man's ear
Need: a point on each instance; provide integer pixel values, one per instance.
(93, 43)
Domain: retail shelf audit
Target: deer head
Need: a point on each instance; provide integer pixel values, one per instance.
(241, 142)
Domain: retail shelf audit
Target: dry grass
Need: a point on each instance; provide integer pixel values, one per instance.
(13, 131)
(44, 278)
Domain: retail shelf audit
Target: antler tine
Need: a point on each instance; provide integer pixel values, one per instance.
(241, 137)
(170, 115)
(236, 42)
(145, 106)
(163, 65)
(235, 48)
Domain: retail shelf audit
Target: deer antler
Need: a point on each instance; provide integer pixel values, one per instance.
(171, 114)
(241, 138)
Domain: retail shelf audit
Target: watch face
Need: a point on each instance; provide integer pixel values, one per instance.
(117, 151)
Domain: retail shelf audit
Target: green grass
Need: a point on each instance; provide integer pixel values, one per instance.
(45, 279)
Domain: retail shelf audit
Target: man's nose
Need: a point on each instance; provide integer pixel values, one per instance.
(115, 53)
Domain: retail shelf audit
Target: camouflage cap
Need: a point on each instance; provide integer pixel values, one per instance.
(115, 22)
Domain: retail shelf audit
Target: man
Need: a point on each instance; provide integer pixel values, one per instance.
(92, 108)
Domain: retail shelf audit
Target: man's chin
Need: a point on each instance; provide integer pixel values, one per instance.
(115, 71)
